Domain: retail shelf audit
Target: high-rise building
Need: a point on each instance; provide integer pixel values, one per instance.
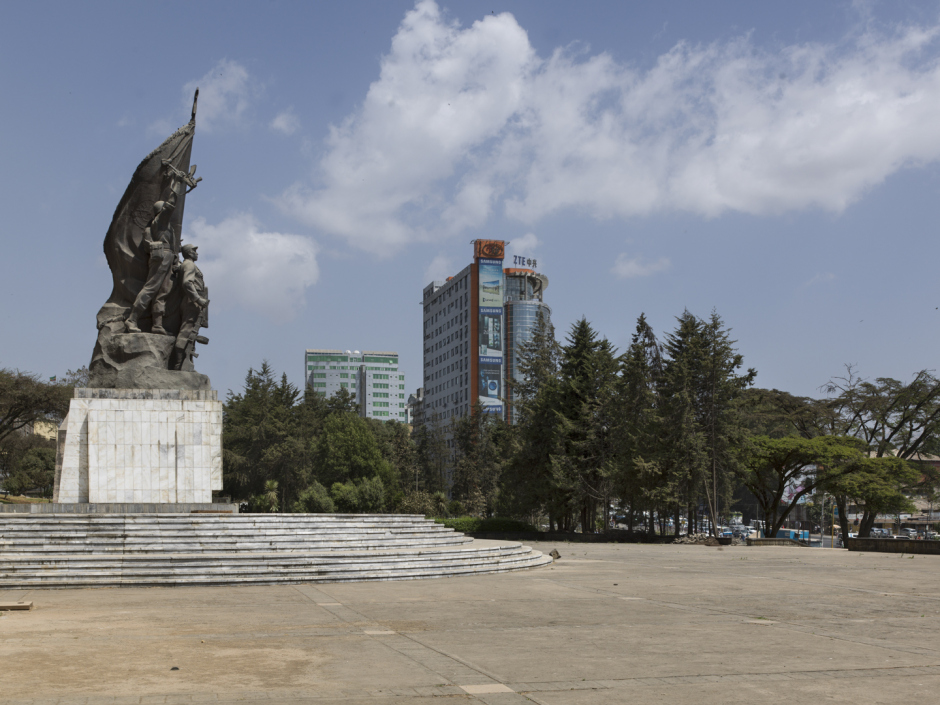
(521, 308)
(473, 325)
(447, 348)
(371, 376)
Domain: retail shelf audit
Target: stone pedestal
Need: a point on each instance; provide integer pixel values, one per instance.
(140, 446)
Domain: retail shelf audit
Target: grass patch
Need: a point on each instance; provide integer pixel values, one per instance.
(23, 500)
(467, 525)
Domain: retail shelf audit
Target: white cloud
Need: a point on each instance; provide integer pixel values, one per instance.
(442, 92)
(266, 272)
(286, 122)
(440, 268)
(525, 245)
(463, 122)
(225, 93)
(627, 267)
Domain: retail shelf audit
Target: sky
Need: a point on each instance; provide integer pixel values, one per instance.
(774, 162)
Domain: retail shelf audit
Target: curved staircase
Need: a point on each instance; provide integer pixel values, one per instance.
(102, 550)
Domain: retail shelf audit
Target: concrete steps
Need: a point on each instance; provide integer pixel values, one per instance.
(71, 551)
(95, 534)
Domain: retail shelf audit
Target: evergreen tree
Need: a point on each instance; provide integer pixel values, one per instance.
(721, 422)
(683, 457)
(528, 484)
(585, 466)
(431, 456)
(478, 461)
(538, 362)
(702, 426)
(638, 423)
(262, 439)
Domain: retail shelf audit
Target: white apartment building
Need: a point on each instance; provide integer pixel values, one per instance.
(448, 383)
(371, 376)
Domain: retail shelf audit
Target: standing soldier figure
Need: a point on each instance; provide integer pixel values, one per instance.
(158, 242)
(193, 309)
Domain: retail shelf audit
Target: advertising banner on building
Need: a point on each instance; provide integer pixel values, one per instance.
(491, 334)
(491, 282)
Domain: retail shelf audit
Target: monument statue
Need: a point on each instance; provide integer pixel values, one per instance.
(146, 433)
(147, 329)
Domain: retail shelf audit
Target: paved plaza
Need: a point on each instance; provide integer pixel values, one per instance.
(605, 624)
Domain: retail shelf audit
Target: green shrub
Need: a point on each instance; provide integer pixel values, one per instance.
(362, 496)
(417, 503)
(371, 493)
(315, 500)
(345, 497)
(267, 502)
(469, 525)
(424, 503)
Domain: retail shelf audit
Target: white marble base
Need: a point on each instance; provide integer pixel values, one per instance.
(140, 446)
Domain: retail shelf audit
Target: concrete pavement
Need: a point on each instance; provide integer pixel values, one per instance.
(608, 623)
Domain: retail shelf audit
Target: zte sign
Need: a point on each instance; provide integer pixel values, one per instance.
(523, 262)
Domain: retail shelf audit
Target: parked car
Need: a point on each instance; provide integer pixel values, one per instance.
(901, 536)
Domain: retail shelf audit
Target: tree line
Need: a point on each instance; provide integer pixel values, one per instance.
(670, 431)
(674, 429)
(27, 458)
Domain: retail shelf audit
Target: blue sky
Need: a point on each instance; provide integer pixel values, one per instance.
(777, 162)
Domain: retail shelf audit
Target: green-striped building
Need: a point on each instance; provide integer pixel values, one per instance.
(371, 376)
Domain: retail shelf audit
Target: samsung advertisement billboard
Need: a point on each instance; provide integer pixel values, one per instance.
(491, 335)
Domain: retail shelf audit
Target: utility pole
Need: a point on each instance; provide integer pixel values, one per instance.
(822, 520)
(832, 528)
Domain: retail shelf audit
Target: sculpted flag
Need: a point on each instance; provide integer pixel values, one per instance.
(122, 244)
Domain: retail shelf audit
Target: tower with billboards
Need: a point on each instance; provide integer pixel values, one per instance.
(474, 324)
(486, 365)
